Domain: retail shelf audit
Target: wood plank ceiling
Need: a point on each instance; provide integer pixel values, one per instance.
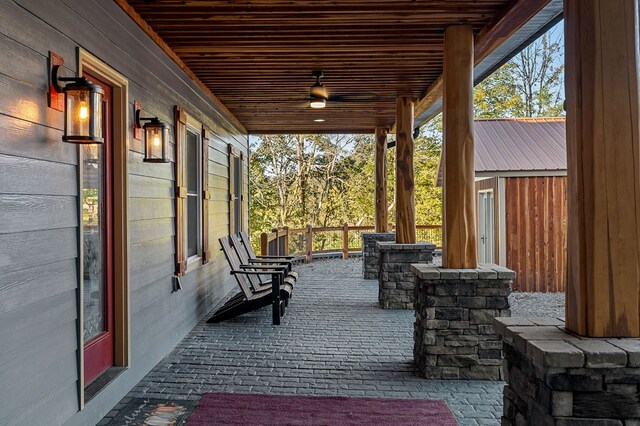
(257, 56)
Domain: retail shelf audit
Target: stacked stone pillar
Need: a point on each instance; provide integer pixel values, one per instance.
(370, 254)
(396, 280)
(454, 336)
(555, 377)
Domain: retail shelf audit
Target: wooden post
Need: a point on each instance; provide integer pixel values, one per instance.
(276, 243)
(285, 229)
(603, 149)
(381, 213)
(309, 244)
(460, 248)
(345, 241)
(405, 185)
(264, 244)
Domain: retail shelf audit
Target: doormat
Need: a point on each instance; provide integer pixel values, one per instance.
(246, 409)
(153, 412)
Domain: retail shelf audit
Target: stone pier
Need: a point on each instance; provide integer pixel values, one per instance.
(370, 255)
(558, 378)
(454, 336)
(396, 280)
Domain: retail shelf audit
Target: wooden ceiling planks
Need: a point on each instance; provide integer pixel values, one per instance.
(257, 55)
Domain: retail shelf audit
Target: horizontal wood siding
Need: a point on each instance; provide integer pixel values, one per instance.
(536, 227)
(39, 219)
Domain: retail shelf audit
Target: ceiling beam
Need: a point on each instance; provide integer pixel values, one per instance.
(124, 5)
(517, 26)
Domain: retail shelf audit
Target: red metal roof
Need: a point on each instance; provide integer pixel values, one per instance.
(520, 144)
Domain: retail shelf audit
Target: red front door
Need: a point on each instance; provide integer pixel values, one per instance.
(97, 237)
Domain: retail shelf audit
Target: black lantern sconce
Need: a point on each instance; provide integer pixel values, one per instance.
(156, 139)
(82, 108)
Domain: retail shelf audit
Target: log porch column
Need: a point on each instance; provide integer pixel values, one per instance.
(603, 153)
(381, 213)
(459, 234)
(405, 184)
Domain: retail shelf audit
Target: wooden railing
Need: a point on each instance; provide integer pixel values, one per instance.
(342, 240)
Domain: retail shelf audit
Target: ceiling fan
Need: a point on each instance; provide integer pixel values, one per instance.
(319, 96)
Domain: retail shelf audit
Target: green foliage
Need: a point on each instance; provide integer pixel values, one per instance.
(327, 180)
(529, 85)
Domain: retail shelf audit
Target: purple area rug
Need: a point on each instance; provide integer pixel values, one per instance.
(244, 409)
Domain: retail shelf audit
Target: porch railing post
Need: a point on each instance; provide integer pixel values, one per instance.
(264, 244)
(309, 244)
(345, 241)
(285, 241)
(276, 243)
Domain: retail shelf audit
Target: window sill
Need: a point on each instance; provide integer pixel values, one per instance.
(193, 263)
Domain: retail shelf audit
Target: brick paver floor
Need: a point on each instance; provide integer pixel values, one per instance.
(334, 340)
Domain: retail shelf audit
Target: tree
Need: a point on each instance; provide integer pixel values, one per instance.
(328, 180)
(529, 85)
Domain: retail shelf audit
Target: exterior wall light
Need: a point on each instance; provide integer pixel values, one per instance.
(82, 108)
(156, 139)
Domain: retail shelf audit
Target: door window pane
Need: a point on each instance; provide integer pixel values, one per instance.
(93, 235)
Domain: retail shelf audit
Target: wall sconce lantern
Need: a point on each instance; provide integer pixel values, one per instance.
(82, 108)
(156, 139)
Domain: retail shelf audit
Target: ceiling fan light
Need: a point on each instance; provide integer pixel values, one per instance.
(319, 120)
(317, 103)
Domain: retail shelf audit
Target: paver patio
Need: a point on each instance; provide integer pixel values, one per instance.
(334, 340)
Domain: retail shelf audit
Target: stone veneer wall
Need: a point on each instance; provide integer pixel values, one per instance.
(455, 309)
(396, 280)
(557, 378)
(370, 255)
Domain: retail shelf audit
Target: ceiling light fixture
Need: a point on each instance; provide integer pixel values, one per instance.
(317, 93)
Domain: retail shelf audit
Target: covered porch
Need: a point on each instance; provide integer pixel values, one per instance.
(334, 341)
(211, 73)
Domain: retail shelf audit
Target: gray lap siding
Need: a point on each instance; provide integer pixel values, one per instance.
(39, 374)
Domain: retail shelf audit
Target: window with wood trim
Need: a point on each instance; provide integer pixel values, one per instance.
(236, 161)
(193, 172)
(191, 198)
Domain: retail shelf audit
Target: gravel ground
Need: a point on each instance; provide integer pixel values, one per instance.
(522, 304)
(537, 304)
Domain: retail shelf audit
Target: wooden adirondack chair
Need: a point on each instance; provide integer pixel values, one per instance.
(244, 238)
(248, 299)
(258, 281)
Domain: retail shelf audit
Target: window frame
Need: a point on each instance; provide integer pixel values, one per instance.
(185, 124)
(194, 128)
(235, 209)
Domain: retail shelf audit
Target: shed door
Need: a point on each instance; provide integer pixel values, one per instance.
(485, 227)
(97, 246)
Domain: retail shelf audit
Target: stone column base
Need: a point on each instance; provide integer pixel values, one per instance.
(453, 332)
(396, 281)
(557, 378)
(370, 255)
